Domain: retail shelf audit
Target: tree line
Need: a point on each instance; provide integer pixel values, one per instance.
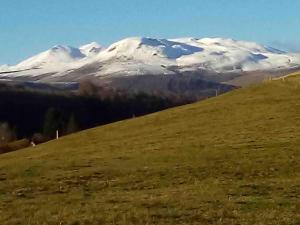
(37, 115)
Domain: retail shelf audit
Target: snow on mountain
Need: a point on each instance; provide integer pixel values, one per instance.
(228, 55)
(140, 55)
(54, 59)
(136, 56)
(227, 43)
(148, 48)
(91, 49)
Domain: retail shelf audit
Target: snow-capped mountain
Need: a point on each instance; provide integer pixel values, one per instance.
(150, 56)
(58, 55)
(228, 55)
(91, 49)
(57, 58)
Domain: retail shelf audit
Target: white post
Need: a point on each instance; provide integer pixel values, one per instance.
(217, 92)
(56, 134)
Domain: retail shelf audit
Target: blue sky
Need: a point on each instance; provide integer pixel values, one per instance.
(28, 27)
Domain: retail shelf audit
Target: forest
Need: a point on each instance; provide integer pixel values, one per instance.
(36, 115)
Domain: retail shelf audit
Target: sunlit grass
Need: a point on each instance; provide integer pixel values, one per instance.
(233, 159)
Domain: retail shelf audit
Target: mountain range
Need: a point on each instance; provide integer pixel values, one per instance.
(122, 64)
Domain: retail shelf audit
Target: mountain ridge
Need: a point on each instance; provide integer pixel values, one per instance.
(217, 54)
(168, 62)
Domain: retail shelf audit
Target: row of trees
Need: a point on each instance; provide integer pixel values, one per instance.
(36, 115)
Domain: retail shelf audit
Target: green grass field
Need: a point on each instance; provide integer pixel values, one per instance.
(234, 159)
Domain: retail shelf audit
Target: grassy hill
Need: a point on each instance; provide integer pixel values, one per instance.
(234, 159)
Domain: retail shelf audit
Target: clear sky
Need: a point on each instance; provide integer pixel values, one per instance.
(28, 27)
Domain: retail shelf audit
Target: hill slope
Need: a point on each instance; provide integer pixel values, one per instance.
(233, 159)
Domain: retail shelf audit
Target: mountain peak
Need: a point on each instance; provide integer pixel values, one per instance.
(145, 47)
(58, 47)
(91, 48)
(57, 55)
